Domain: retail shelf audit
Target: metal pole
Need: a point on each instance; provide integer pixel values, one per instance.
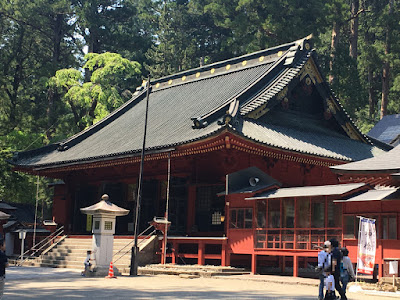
(134, 264)
(23, 235)
(36, 208)
(358, 246)
(166, 209)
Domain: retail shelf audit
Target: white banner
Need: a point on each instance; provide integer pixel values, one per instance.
(366, 246)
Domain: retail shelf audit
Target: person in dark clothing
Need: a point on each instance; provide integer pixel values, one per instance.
(336, 260)
(3, 266)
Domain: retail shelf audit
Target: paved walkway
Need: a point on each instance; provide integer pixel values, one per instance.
(46, 283)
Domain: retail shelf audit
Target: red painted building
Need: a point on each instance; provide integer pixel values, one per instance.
(270, 109)
(382, 203)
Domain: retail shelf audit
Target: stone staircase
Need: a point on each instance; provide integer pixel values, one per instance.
(71, 253)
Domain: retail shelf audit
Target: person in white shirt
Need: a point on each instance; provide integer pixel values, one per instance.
(330, 287)
(87, 263)
(347, 271)
(324, 261)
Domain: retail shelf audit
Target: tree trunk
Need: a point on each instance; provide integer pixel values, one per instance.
(18, 76)
(334, 44)
(355, 5)
(51, 94)
(386, 64)
(371, 93)
(57, 37)
(385, 88)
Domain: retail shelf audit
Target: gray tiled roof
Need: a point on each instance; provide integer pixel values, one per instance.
(169, 121)
(387, 129)
(372, 195)
(388, 162)
(304, 191)
(204, 93)
(315, 142)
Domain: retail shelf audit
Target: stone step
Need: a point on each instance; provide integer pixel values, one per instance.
(70, 265)
(71, 253)
(81, 259)
(84, 250)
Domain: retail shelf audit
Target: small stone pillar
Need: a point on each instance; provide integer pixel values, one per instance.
(103, 228)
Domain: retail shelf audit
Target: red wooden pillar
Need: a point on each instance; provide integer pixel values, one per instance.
(295, 266)
(379, 255)
(174, 252)
(223, 255)
(200, 254)
(253, 263)
(228, 258)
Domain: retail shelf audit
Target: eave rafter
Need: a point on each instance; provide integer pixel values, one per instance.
(225, 140)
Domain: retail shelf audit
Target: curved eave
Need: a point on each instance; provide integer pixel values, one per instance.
(291, 150)
(115, 156)
(389, 171)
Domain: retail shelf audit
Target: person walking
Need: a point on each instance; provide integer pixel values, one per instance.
(3, 266)
(330, 287)
(336, 256)
(324, 261)
(347, 271)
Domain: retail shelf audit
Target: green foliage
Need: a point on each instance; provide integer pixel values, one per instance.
(16, 186)
(111, 77)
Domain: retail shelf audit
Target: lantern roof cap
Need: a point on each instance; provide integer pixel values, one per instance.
(105, 207)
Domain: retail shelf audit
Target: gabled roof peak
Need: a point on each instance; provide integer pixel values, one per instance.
(235, 64)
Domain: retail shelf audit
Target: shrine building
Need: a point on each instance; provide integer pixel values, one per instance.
(381, 203)
(250, 140)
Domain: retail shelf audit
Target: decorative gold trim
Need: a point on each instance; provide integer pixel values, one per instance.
(282, 94)
(259, 112)
(212, 71)
(311, 70)
(244, 63)
(197, 74)
(332, 106)
(228, 67)
(183, 78)
(280, 53)
(157, 84)
(261, 58)
(350, 131)
(170, 81)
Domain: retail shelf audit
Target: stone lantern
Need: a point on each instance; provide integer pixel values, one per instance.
(103, 229)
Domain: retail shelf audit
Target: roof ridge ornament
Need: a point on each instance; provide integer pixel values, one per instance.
(231, 114)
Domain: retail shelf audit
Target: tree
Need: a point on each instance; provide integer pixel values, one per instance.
(111, 78)
(386, 60)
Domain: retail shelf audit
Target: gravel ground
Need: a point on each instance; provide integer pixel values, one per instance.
(46, 283)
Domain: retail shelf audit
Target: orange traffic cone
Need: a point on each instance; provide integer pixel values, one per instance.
(111, 271)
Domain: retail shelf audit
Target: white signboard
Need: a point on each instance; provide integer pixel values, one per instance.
(366, 246)
(393, 267)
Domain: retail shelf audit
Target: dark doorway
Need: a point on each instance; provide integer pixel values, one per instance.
(178, 205)
(209, 209)
(84, 197)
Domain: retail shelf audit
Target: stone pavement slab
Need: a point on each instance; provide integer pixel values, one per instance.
(47, 283)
